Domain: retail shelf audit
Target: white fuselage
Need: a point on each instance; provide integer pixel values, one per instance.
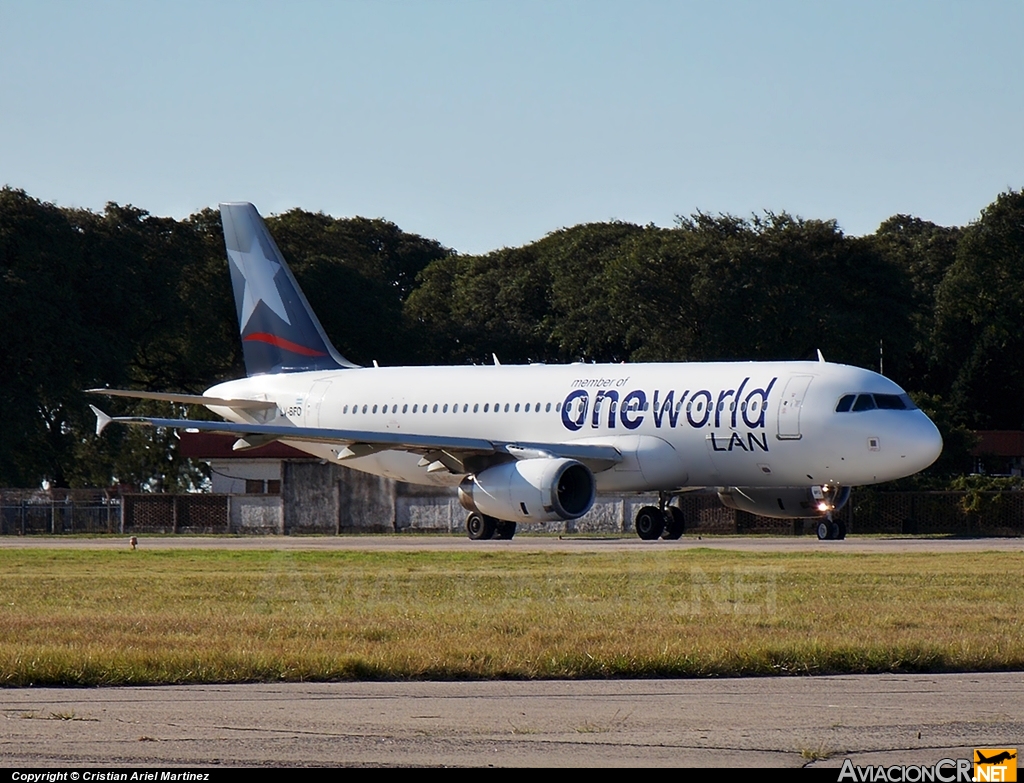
(768, 424)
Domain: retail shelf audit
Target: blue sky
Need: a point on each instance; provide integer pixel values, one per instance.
(486, 124)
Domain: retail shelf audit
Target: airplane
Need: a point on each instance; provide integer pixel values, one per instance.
(536, 443)
(996, 759)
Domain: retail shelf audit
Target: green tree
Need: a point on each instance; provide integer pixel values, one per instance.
(979, 342)
(924, 252)
(357, 274)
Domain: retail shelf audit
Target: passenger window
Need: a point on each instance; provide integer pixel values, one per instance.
(506, 407)
(476, 407)
(517, 407)
(865, 402)
(374, 408)
(845, 403)
(547, 408)
(435, 407)
(558, 407)
(527, 407)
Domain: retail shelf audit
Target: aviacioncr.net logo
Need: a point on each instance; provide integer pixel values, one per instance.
(945, 771)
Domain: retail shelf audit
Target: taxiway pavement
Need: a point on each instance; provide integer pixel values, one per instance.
(745, 722)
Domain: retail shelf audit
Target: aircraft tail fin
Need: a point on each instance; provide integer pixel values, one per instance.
(280, 332)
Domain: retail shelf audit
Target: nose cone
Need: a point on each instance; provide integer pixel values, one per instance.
(923, 446)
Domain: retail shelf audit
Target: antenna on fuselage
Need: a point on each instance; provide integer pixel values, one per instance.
(820, 357)
(496, 362)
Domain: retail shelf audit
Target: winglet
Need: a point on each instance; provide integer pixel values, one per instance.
(102, 420)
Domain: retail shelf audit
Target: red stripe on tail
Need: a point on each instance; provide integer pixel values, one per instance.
(280, 342)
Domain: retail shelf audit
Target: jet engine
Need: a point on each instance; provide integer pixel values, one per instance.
(785, 502)
(535, 490)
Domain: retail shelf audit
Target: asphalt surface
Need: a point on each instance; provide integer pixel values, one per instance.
(745, 722)
(567, 543)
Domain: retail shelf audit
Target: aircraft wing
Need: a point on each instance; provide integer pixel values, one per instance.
(445, 449)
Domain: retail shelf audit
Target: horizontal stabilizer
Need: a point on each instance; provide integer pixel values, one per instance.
(189, 399)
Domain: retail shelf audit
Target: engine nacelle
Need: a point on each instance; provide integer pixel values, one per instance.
(785, 502)
(535, 490)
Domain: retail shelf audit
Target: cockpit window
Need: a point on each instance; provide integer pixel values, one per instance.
(890, 402)
(845, 403)
(869, 402)
(865, 402)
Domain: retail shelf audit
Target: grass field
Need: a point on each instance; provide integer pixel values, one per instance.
(96, 617)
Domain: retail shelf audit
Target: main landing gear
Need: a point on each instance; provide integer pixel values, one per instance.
(663, 520)
(480, 527)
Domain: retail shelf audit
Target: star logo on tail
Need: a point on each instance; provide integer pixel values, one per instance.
(259, 273)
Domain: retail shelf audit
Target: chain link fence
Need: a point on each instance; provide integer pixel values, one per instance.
(963, 513)
(192, 514)
(57, 512)
(52, 512)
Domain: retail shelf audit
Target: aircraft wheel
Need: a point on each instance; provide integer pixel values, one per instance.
(675, 523)
(505, 530)
(842, 531)
(824, 530)
(650, 521)
(480, 527)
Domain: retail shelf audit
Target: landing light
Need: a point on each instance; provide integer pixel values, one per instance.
(823, 507)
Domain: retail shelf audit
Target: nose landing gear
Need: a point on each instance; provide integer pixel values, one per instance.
(829, 498)
(829, 530)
